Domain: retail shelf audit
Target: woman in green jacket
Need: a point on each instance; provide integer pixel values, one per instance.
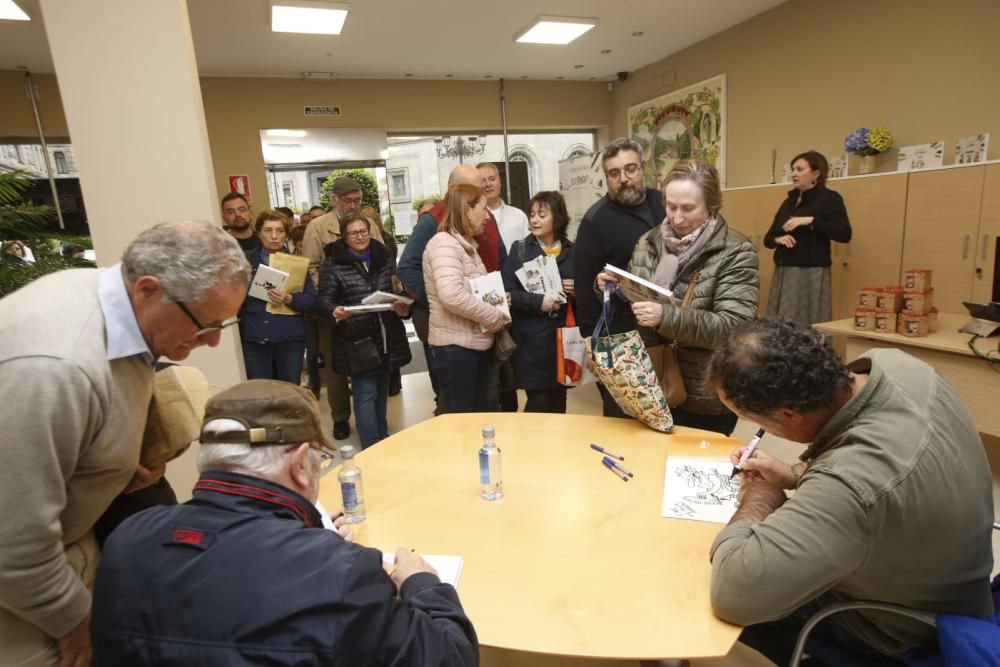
(694, 244)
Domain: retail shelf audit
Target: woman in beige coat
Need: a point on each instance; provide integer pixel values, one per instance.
(460, 333)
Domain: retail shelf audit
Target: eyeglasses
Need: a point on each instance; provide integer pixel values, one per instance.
(630, 171)
(233, 211)
(202, 329)
(350, 200)
(357, 234)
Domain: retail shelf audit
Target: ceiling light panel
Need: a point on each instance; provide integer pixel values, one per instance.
(554, 30)
(311, 18)
(11, 12)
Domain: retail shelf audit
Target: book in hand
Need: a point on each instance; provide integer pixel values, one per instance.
(368, 307)
(489, 289)
(386, 297)
(266, 278)
(637, 289)
(541, 276)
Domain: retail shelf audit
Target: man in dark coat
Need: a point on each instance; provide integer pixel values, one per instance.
(608, 234)
(245, 573)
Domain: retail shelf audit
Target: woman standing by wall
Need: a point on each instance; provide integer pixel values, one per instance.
(806, 222)
(271, 340)
(536, 316)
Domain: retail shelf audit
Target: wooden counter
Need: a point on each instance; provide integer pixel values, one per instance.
(948, 351)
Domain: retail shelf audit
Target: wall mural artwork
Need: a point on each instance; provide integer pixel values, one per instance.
(686, 123)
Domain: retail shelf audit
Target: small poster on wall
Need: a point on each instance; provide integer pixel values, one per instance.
(921, 156)
(969, 150)
(581, 182)
(838, 166)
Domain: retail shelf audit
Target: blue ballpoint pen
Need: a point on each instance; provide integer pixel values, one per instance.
(619, 467)
(604, 451)
(607, 463)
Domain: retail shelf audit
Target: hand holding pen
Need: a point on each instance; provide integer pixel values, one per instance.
(762, 466)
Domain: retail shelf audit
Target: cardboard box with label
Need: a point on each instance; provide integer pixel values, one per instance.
(867, 296)
(864, 319)
(917, 280)
(912, 325)
(885, 322)
(918, 302)
(890, 299)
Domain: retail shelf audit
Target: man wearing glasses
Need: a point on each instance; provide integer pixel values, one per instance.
(76, 376)
(237, 216)
(608, 234)
(245, 573)
(321, 232)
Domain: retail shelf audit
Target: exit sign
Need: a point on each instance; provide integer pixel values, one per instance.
(321, 111)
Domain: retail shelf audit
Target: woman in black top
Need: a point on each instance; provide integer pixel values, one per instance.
(803, 227)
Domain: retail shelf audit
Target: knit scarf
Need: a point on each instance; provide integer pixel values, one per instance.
(676, 252)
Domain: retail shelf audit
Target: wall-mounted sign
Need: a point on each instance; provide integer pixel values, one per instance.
(321, 111)
(240, 184)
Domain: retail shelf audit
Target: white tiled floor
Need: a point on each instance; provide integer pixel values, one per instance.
(416, 403)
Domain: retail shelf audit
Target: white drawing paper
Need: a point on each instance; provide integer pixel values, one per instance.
(379, 296)
(838, 166)
(969, 150)
(699, 489)
(449, 568)
(920, 156)
(489, 289)
(266, 279)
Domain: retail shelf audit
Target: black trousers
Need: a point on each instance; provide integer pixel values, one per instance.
(546, 400)
(723, 424)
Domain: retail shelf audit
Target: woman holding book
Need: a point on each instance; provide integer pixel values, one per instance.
(274, 342)
(713, 268)
(461, 327)
(536, 316)
(367, 344)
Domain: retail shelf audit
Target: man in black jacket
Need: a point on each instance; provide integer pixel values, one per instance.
(245, 574)
(608, 234)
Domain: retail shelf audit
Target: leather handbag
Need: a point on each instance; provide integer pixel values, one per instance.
(671, 379)
(503, 348)
(363, 355)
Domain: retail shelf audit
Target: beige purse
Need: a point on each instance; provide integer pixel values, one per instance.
(671, 379)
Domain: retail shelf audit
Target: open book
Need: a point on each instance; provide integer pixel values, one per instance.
(638, 289)
(266, 279)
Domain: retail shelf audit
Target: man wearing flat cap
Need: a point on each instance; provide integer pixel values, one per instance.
(244, 573)
(321, 232)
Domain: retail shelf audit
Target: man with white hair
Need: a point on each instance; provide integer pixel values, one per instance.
(244, 573)
(76, 375)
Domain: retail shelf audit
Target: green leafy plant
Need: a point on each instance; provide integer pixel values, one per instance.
(420, 201)
(369, 188)
(25, 222)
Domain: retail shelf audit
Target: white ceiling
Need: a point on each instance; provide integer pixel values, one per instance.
(427, 38)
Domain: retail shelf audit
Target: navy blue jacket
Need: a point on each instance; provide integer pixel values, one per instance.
(534, 331)
(243, 574)
(259, 326)
(411, 262)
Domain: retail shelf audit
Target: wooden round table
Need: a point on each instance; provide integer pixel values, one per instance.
(572, 561)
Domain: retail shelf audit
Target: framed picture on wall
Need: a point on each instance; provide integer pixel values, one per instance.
(969, 150)
(686, 123)
(920, 156)
(838, 166)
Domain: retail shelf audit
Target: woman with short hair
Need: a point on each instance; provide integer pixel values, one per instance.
(274, 343)
(694, 245)
(461, 327)
(806, 222)
(536, 317)
(366, 345)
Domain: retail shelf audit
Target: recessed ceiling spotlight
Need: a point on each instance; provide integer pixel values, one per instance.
(448, 76)
(559, 77)
(11, 12)
(577, 66)
(554, 30)
(605, 52)
(407, 75)
(638, 33)
(309, 17)
(524, 77)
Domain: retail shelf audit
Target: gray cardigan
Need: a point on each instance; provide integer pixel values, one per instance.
(74, 423)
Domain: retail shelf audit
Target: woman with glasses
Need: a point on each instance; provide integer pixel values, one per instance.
(366, 344)
(461, 327)
(274, 343)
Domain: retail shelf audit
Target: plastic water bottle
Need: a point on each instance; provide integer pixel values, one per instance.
(490, 469)
(352, 489)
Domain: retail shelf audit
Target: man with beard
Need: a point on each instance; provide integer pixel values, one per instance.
(608, 234)
(237, 215)
(77, 349)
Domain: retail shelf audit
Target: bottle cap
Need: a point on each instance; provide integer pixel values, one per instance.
(346, 451)
(489, 431)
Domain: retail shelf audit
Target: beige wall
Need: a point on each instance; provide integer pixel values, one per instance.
(237, 109)
(17, 120)
(806, 73)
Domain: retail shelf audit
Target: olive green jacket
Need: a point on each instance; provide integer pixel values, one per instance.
(726, 294)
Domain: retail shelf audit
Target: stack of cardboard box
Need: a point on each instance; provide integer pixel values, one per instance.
(906, 309)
